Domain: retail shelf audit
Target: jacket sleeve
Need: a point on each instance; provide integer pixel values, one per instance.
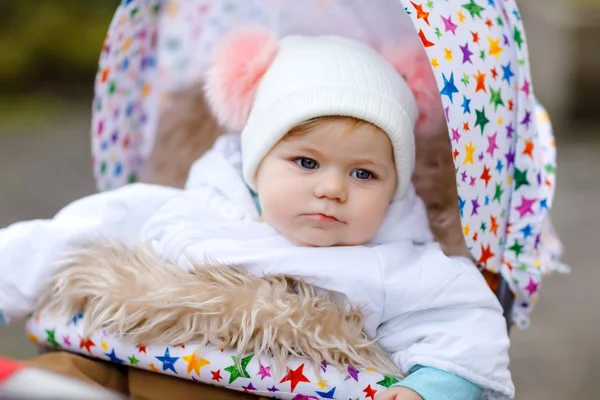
(440, 313)
(29, 249)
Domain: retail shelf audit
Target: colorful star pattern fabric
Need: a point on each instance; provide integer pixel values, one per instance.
(212, 365)
(502, 140)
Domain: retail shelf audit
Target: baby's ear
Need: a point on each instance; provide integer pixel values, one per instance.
(239, 63)
(409, 58)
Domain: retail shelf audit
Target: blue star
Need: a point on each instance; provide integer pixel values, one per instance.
(449, 87)
(327, 395)
(527, 231)
(517, 15)
(487, 200)
(499, 166)
(507, 73)
(461, 203)
(76, 318)
(113, 357)
(168, 361)
(466, 105)
(491, 3)
(544, 204)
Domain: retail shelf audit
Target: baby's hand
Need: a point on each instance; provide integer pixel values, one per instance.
(398, 393)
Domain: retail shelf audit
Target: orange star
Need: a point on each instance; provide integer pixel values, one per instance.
(456, 153)
(180, 345)
(421, 14)
(495, 226)
(426, 43)
(508, 226)
(480, 78)
(475, 37)
(466, 127)
(152, 367)
(370, 392)
(461, 16)
(105, 74)
(510, 104)
(295, 376)
(529, 148)
(489, 23)
(486, 254)
(494, 73)
(486, 175)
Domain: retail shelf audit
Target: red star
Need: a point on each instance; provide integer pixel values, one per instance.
(475, 236)
(295, 376)
(180, 345)
(426, 42)
(486, 254)
(141, 348)
(548, 183)
(508, 226)
(87, 344)
(475, 37)
(420, 13)
(466, 127)
(510, 105)
(489, 23)
(494, 73)
(126, 142)
(486, 175)
(494, 227)
(528, 148)
(216, 375)
(456, 154)
(105, 73)
(370, 392)
(480, 82)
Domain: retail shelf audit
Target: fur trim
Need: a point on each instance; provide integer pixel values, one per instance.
(240, 62)
(140, 298)
(410, 59)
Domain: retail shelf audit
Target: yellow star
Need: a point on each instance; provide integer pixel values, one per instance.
(32, 337)
(509, 180)
(323, 384)
(500, 121)
(448, 56)
(104, 345)
(461, 16)
(495, 48)
(195, 363)
(466, 230)
(470, 149)
(370, 370)
(434, 62)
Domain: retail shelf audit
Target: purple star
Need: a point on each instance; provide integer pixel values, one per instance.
(324, 366)
(506, 43)
(475, 204)
(449, 25)
(273, 389)
(527, 120)
(67, 341)
(492, 144)
(249, 387)
(510, 158)
(472, 183)
(539, 179)
(353, 372)
(463, 176)
(480, 157)
(526, 206)
(455, 135)
(447, 111)
(532, 287)
(304, 397)
(509, 130)
(466, 53)
(538, 240)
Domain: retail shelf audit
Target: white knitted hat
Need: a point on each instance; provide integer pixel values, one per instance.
(299, 78)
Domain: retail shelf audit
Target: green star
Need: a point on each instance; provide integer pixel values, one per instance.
(521, 61)
(520, 178)
(387, 381)
(112, 87)
(517, 37)
(522, 267)
(430, 3)
(481, 120)
(438, 33)
(156, 9)
(132, 178)
(483, 227)
(51, 340)
(235, 372)
(465, 79)
(474, 9)
(133, 360)
(499, 21)
(103, 167)
(517, 248)
(496, 98)
(550, 168)
(498, 193)
(482, 54)
(134, 12)
(503, 214)
(407, 11)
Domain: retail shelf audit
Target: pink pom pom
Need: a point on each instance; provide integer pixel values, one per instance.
(410, 60)
(239, 63)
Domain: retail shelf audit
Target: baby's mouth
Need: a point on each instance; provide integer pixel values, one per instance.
(323, 218)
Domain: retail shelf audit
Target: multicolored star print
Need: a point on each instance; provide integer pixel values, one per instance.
(502, 141)
(214, 366)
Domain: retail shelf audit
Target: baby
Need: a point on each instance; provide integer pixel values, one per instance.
(318, 188)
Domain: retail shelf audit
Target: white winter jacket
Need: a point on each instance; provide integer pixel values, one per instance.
(425, 308)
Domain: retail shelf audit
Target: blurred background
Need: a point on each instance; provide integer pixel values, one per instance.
(48, 57)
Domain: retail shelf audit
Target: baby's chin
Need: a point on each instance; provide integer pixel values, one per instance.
(321, 239)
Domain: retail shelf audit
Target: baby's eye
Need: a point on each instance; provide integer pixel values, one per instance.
(306, 163)
(362, 174)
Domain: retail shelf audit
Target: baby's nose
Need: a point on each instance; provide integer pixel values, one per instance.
(332, 186)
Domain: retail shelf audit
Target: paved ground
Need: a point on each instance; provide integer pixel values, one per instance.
(557, 359)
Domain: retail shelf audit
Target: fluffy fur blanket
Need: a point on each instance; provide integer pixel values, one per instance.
(140, 298)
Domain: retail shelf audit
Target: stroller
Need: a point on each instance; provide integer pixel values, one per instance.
(499, 144)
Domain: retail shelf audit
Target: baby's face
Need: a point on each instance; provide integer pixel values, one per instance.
(330, 186)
